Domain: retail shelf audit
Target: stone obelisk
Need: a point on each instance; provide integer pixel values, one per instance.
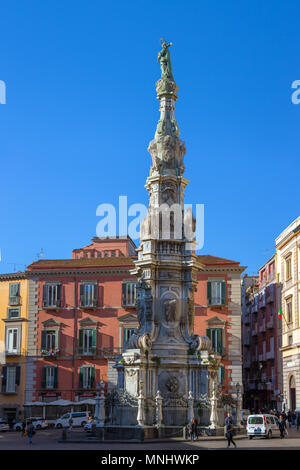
(165, 356)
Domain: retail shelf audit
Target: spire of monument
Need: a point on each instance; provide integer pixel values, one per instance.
(167, 150)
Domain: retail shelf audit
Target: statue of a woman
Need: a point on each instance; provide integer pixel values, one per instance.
(164, 58)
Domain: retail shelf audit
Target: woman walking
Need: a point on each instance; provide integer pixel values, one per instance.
(229, 434)
(30, 431)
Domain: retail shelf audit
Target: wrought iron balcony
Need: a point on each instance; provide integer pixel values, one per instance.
(14, 300)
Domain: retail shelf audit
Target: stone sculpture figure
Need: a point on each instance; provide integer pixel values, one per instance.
(164, 58)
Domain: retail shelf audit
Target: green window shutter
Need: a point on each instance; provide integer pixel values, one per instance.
(94, 339)
(223, 293)
(80, 341)
(123, 294)
(92, 376)
(95, 295)
(55, 377)
(44, 377)
(58, 298)
(222, 374)
(57, 339)
(125, 335)
(208, 333)
(45, 295)
(43, 339)
(18, 375)
(81, 290)
(4, 373)
(81, 377)
(220, 340)
(208, 292)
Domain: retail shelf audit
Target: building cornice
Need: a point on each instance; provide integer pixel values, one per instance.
(77, 272)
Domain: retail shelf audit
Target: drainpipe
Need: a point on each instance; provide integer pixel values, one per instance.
(74, 339)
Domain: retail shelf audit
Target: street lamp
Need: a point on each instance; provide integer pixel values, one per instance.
(238, 407)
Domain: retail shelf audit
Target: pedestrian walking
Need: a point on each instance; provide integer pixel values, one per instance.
(228, 419)
(282, 426)
(192, 429)
(298, 421)
(294, 418)
(229, 435)
(289, 418)
(30, 431)
(23, 427)
(70, 424)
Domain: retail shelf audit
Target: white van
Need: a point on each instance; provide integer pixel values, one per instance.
(262, 425)
(79, 418)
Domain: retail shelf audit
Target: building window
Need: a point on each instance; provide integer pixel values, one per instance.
(85, 255)
(290, 340)
(106, 254)
(13, 313)
(288, 268)
(87, 377)
(113, 253)
(10, 379)
(14, 293)
(12, 340)
(50, 342)
(87, 341)
(49, 377)
(216, 337)
(216, 292)
(99, 254)
(128, 294)
(88, 295)
(127, 333)
(289, 311)
(51, 295)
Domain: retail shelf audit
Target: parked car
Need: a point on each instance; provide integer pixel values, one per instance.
(4, 426)
(38, 423)
(79, 419)
(262, 425)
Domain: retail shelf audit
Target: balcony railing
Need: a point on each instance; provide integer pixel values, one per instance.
(262, 357)
(13, 352)
(262, 327)
(51, 305)
(12, 390)
(14, 300)
(270, 355)
(49, 352)
(88, 303)
(254, 330)
(87, 351)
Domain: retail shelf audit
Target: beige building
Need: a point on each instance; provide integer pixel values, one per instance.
(288, 275)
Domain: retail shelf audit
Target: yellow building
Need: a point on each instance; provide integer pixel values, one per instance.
(13, 341)
(288, 275)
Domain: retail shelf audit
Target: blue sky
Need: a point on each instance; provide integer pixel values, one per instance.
(81, 109)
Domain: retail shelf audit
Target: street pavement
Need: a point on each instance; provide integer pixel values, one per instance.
(47, 439)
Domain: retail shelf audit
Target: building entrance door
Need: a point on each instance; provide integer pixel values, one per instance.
(292, 393)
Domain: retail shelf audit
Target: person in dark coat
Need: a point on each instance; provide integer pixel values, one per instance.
(290, 418)
(282, 426)
(23, 427)
(229, 434)
(31, 431)
(298, 421)
(192, 429)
